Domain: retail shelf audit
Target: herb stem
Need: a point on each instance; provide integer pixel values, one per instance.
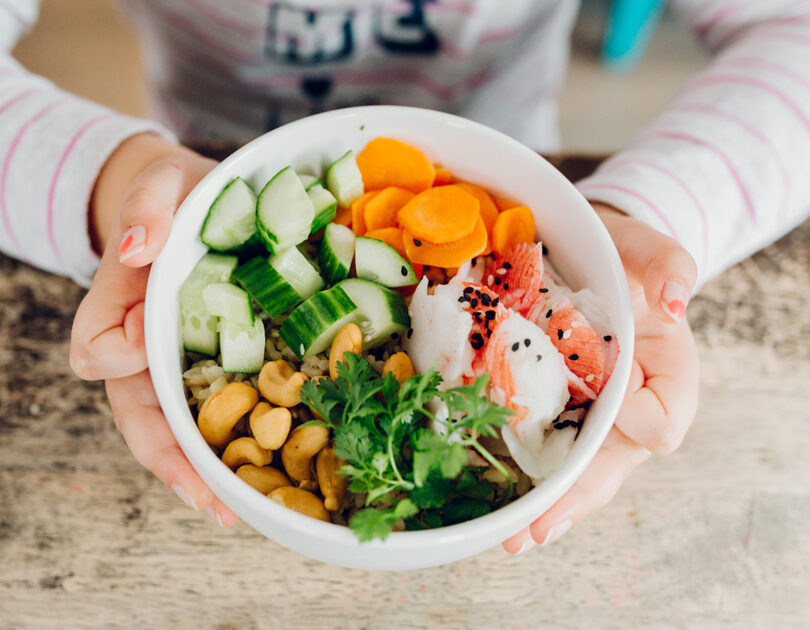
(495, 463)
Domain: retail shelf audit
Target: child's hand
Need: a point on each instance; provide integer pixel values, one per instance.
(661, 397)
(134, 201)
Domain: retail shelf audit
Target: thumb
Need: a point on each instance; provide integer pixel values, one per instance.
(665, 270)
(149, 206)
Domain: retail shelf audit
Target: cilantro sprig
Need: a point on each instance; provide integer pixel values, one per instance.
(407, 469)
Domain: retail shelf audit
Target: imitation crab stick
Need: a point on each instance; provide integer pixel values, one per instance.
(358, 213)
(512, 227)
(381, 210)
(441, 215)
(387, 162)
(446, 255)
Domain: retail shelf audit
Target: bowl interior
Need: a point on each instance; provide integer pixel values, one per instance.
(579, 248)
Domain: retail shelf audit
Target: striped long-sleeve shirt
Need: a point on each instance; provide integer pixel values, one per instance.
(722, 170)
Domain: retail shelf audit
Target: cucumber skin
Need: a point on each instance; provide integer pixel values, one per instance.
(270, 290)
(325, 215)
(332, 268)
(238, 248)
(327, 312)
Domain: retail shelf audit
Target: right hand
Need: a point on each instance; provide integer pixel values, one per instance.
(134, 201)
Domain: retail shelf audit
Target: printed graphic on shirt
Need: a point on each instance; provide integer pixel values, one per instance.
(408, 33)
(304, 36)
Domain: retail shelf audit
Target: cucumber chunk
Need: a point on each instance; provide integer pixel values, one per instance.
(343, 179)
(312, 326)
(309, 180)
(379, 262)
(231, 220)
(242, 346)
(229, 302)
(297, 271)
(325, 206)
(198, 326)
(284, 212)
(336, 253)
(381, 312)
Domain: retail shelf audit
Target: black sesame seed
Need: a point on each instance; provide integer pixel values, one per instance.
(473, 262)
(543, 290)
(495, 301)
(404, 270)
(545, 250)
(474, 302)
(506, 286)
(527, 342)
(497, 280)
(490, 315)
(417, 242)
(548, 314)
(489, 333)
(485, 299)
(462, 298)
(607, 337)
(410, 332)
(395, 336)
(539, 356)
(573, 357)
(559, 333)
(515, 346)
(468, 290)
(507, 265)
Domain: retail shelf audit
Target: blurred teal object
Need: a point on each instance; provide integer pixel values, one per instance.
(632, 23)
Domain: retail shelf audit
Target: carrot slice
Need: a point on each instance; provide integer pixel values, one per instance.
(387, 162)
(447, 255)
(505, 204)
(443, 177)
(358, 211)
(381, 210)
(513, 226)
(343, 216)
(390, 236)
(489, 211)
(440, 215)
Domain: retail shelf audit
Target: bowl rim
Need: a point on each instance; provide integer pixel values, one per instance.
(206, 463)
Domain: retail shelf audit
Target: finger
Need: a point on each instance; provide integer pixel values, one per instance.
(138, 416)
(662, 397)
(595, 488)
(664, 268)
(149, 206)
(107, 337)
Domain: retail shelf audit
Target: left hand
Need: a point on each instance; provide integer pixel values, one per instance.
(661, 397)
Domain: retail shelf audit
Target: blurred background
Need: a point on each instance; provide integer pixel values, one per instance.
(87, 48)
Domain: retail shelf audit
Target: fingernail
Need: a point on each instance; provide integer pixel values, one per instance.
(214, 515)
(557, 531)
(132, 243)
(527, 544)
(674, 299)
(185, 497)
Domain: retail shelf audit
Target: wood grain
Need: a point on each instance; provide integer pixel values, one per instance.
(714, 536)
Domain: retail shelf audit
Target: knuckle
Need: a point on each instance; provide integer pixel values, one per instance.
(667, 441)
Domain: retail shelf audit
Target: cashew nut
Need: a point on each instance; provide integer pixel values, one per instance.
(270, 426)
(222, 410)
(400, 366)
(264, 478)
(299, 449)
(333, 484)
(280, 383)
(348, 339)
(301, 501)
(245, 450)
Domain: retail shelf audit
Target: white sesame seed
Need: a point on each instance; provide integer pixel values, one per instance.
(500, 271)
(567, 334)
(490, 279)
(589, 378)
(576, 324)
(302, 349)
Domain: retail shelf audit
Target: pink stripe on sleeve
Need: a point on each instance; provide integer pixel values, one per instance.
(52, 190)
(735, 175)
(776, 156)
(617, 163)
(18, 97)
(4, 176)
(764, 86)
(661, 216)
(701, 28)
(777, 68)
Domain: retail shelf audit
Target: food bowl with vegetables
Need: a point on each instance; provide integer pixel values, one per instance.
(386, 337)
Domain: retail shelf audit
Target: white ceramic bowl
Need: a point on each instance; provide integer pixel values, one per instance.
(579, 247)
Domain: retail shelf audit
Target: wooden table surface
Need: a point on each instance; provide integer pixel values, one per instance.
(716, 536)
